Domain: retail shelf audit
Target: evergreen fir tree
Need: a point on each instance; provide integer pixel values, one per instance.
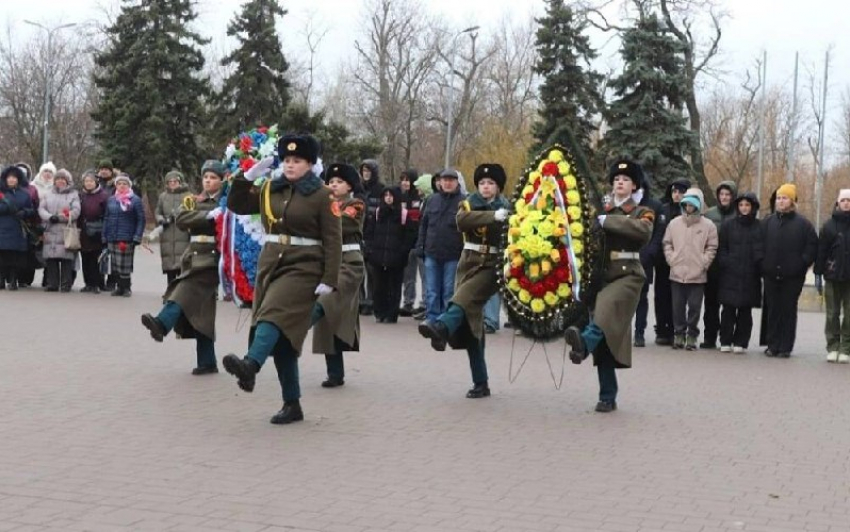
(152, 92)
(570, 91)
(257, 92)
(646, 119)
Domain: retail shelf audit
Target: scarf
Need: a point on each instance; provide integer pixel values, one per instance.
(478, 203)
(125, 199)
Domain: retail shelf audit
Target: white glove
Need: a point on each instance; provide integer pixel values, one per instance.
(501, 214)
(601, 219)
(213, 213)
(323, 289)
(259, 169)
(228, 153)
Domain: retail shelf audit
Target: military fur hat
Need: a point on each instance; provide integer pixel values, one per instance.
(628, 168)
(303, 146)
(492, 171)
(215, 167)
(346, 172)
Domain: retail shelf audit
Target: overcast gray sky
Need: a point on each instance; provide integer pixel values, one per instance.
(779, 26)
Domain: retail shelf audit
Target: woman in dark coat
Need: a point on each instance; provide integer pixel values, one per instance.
(391, 238)
(15, 207)
(739, 257)
(123, 227)
(92, 210)
(299, 263)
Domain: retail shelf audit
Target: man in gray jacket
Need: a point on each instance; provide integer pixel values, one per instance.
(690, 244)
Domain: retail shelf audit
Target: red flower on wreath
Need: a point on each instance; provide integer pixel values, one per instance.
(524, 283)
(551, 284)
(562, 275)
(538, 290)
(263, 130)
(245, 144)
(550, 169)
(246, 164)
(516, 273)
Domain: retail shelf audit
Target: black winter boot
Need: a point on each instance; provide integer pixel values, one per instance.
(290, 412)
(244, 369)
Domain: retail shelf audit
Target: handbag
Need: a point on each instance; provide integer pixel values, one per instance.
(72, 237)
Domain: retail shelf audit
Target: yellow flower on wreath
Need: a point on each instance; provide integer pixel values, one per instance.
(520, 207)
(534, 176)
(576, 229)
(564, 168)
(564, 290)
(551, 299)
(513, 285)
(555, 156)
(545, 229)
(578, 246)
(574, 212)
(535, 246)
(526, 228)
(538, 305)
(573, 197)
(528, 189)
(524, 296)
(570, 181)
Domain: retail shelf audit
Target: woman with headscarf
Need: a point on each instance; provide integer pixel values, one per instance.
(123, 227)
(299, 263)
(59, 209)
(15, 207)
(92, 210)
(173, 241)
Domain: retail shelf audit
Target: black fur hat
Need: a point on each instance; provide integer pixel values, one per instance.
(304, 146)
(346, 172)
(628, 168)
(493, 171)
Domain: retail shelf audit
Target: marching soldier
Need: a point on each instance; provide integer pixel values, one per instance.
(627, 227)
(190, 299)
(299, 262)
(481, 219)
(336, 316)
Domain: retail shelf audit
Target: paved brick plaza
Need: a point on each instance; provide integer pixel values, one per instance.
(102, 429)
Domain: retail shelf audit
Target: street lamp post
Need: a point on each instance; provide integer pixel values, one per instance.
(451, 94)
(48, 78)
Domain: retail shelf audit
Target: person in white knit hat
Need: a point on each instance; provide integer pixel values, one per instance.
(833, 266)
(44, 179)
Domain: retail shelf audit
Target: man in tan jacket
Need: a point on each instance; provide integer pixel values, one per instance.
(690, 244)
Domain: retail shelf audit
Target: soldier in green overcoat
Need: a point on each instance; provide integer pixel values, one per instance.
(336, 316)
(627, 227)
(299, 262)
(190, 304)
(481, 219)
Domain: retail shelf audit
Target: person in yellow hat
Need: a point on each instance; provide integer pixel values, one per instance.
(790, 248)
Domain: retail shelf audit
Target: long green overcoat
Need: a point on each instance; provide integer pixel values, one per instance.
(627, 228)
(287, 275)
(477, 279)
(173, 240)
(340, 326)
(196, 286)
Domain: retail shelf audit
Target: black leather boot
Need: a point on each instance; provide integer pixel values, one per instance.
(333, 382)
(478, 391)
(437, 332)
(156, 328)
(290, 412)
(578, 351)
(244, 369)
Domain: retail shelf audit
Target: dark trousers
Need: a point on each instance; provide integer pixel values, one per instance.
(91, 269)
(367, 289)
(268, 340)
(781, 296)
(453, 318)
(663, 299)
(335, 365)
(607, 382)
(204, 346)
(837, 329)
(57, 273)
(687, 304)
(642, 310)
(26, 273)
(11, 263)
(387, 296)
(736, 326)
(711, 318)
